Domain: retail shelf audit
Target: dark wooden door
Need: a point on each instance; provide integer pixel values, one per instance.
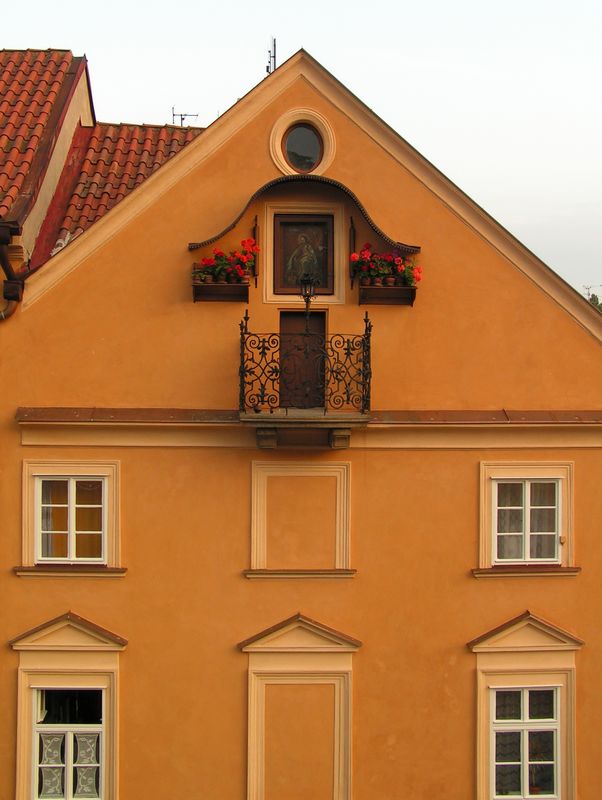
(302, 355)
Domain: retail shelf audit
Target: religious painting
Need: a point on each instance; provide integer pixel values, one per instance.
(303, 245)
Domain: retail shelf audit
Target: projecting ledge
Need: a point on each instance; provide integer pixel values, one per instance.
(271, 437)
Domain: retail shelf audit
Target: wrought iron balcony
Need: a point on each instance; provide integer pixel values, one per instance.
(304, 370)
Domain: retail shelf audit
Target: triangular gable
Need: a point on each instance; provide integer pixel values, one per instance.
(303, 66)
(525, 633)
(300, 634)
(68, 632)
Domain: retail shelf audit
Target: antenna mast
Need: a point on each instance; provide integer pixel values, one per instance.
(271, 57)
(182, 117)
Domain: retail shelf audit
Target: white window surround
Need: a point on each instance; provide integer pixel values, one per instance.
(492, 473)
(316, 120)
(262, 471)
(300, 651)
(526, 653)
(341, 265)
(34, 472)
(66, 653)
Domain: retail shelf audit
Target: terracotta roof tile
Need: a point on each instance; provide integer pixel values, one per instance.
(118, 159)
(30, 82)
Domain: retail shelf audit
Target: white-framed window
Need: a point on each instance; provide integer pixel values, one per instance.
(67, 710)
(526, 515)
(68, 743)
(526, 710)
(525, 735)
(70, 518)
(70, 514)
(526, 520)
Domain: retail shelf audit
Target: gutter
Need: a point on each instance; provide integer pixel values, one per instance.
(12, 287)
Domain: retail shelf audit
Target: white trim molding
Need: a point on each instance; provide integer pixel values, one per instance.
(262, 471)
(68, 652)
(527, 653)
(341, 272)
(297, 116)
(300, 651)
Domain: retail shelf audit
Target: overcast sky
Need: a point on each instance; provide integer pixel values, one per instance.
(503, 96)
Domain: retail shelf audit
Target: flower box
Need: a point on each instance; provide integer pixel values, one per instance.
(221, 292)
(387, 295)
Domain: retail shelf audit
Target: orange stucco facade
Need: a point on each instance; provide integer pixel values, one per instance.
(109, 323)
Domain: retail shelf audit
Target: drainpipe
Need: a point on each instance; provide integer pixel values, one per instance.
(12, 290)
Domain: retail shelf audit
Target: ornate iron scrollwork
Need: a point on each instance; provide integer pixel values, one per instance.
(304, 370)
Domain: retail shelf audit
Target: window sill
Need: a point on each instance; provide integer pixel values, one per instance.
(299, 573)
(69, 571)
(525, 570)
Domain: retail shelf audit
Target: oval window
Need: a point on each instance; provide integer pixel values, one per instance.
(302, 147)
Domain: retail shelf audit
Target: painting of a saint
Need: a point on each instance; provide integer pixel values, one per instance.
(303, 246)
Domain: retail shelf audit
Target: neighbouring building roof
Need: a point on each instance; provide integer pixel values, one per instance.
(35, 89)
(119, 158)
(104, 163)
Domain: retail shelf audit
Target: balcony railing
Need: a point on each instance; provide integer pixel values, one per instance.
(304, 370)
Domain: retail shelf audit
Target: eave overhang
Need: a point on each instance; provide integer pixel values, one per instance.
(406, 249)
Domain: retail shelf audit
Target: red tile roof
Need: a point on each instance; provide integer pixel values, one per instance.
(118, 159)
(104, 164)
(35, 88)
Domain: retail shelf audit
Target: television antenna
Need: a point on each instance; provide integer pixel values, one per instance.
(588, 289)
(271, 57)
(182, 117)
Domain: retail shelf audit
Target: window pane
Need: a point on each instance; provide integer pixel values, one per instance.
(543, 520)
(507, 704)
(54, 492)
(541, 704)
(54, 545)
(72, 706)
(541, 779)
(543, 546)
(509, 494)
(85, 781)
(54, 519)
(510, 547)
(507, 780)
(88, 545)
(543, 494)
(88, 493)
(88, 519)
(51, 748)
(303, 147)
(86, 748)
(51, 782)
(510, 520)
(507, 746)
(541, 746)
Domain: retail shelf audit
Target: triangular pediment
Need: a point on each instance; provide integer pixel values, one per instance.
(68, 632)
(301, 75)
(526, 633)
(299, 634)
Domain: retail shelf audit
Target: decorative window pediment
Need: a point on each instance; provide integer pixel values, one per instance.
(526, 710)
(68, 694)
(68, 632)
(300, 672)
(525, 633)
(299, 634)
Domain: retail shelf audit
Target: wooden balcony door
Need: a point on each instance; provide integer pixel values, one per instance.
(302, 356)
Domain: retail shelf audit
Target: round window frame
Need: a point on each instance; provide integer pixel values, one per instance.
(311, 118)
(316, 132)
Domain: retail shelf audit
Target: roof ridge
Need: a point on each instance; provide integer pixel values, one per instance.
(152, 125)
